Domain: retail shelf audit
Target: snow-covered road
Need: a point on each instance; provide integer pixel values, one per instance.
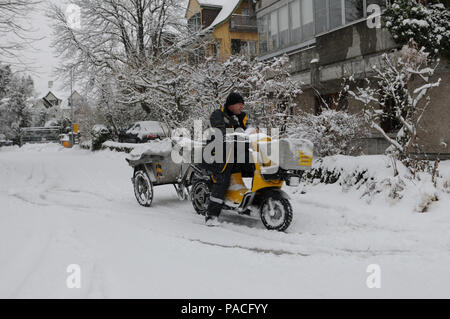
(61, 207)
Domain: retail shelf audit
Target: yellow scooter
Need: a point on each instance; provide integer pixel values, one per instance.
(266, 196)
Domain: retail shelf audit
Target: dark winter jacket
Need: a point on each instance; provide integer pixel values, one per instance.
(224, 119)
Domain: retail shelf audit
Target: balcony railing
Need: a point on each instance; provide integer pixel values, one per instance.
(241, 22)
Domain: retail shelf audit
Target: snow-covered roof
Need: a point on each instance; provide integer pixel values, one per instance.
(227, 8)
(63, 96)
(215, 3)
(51, 96)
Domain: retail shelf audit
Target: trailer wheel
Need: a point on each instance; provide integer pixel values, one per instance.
(143, 188)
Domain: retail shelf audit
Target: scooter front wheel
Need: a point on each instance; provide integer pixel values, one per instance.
(276, 213)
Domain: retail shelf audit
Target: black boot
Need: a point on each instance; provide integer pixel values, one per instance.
(213, 212)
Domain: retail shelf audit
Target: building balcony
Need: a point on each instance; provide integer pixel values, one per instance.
(243, 23)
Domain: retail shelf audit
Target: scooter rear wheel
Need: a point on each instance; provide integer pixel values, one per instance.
(200, 196)
(276, 213)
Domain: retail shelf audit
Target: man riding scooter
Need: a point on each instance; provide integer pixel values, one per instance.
(229, 117)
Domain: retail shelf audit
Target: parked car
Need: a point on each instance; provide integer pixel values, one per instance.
(4, 141)
(142, 132)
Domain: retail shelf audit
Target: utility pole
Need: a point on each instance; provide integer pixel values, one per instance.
(72, 138)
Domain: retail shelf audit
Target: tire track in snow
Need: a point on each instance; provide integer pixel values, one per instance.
(252, 249)
(33, 252)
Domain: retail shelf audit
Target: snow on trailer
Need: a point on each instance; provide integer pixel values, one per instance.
(153, 166)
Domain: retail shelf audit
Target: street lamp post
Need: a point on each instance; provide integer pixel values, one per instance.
(72, 138)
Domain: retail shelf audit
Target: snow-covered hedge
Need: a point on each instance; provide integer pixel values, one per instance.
(87, 145)
(372, 177)
(100, 134)
(429, 26)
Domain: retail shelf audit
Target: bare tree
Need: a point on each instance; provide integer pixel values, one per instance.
(14, 30)
(390, 95)
(118, 38)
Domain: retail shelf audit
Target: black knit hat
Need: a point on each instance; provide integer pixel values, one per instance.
(234, 98)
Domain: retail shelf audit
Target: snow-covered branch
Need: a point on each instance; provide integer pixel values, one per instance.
(389, 96)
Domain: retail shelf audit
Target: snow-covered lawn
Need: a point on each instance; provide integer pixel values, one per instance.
(60, 207)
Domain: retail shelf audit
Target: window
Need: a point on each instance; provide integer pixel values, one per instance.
(354, 10)
(300, 20)
(321, 16)
(273, 31)
(194, 23)
(262, 33)
(335, 13)
(248, 48)
(235, 46)
(307, 19)
(296, 31)
(214, 49)
(284, 26)
(241, 47)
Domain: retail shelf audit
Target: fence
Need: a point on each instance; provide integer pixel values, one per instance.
(33, 135)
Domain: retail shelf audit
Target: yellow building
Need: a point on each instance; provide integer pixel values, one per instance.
(232, 24)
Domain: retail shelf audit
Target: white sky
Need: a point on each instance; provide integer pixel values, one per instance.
(39, 59)
(42, 57)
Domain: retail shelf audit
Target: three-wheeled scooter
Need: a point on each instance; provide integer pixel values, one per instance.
(276, 162)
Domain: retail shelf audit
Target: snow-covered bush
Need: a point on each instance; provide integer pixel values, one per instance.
(372, 178)
(100, 134)
(428, 25)
(392, 187)
(370, 175)
(332, 132)
(390, 95)
(426, 191)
